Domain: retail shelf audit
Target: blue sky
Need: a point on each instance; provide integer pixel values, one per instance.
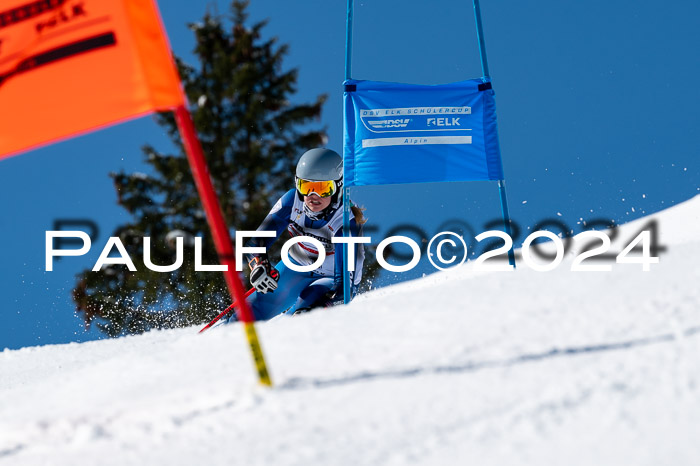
(597, 110)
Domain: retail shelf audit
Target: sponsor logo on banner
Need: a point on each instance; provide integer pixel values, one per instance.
(409, 119)
(382, 124)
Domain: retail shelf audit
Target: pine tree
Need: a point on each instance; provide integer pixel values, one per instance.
(251, 135)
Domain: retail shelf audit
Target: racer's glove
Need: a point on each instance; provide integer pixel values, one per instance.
(263, 276)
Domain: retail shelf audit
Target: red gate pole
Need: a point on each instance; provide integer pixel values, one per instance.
(222, 238)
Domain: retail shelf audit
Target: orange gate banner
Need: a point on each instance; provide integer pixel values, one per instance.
(70, 66)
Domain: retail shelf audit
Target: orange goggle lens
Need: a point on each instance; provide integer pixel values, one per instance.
(322, 188)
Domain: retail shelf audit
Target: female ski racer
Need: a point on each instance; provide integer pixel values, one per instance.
(315, 209)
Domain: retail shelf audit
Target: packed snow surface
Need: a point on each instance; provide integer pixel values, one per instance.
(500, 368)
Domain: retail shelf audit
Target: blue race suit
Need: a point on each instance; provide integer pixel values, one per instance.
(300, 291)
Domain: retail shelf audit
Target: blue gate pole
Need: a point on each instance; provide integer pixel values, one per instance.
(506, 219)
(480, 37)
(348, 40)
(501, 183)
(346, 189)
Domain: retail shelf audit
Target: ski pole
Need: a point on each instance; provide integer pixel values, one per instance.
(226, 311)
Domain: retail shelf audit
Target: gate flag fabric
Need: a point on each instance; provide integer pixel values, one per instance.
(408, 133)
(69, 66)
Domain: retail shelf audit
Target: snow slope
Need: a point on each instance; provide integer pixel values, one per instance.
(457, 368)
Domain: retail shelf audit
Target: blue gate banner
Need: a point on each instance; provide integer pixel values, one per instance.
(408, 133)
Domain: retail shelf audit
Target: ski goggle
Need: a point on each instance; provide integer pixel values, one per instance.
(322, 188)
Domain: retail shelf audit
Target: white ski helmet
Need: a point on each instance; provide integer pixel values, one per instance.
(320, 165)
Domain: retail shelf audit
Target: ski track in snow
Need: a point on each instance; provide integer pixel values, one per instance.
(456, 368)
